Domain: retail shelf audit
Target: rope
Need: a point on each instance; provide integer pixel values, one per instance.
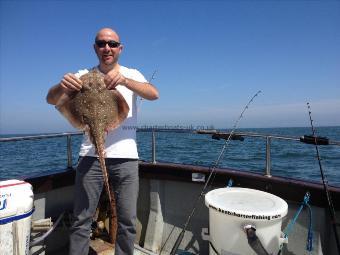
(309, 244)
(230, 183)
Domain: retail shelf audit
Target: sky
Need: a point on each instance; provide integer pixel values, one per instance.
(210, 58)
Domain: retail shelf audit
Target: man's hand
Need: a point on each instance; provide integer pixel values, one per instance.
(113, 78)
(142, 89)
(70, 83)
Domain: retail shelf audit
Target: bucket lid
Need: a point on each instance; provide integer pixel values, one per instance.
(246, 203)
(16, 200)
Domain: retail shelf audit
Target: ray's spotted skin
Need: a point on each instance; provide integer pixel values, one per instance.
(96, 110)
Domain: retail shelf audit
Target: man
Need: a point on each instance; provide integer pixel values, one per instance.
(121, 149)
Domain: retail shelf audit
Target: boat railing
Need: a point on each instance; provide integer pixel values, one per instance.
(269, 137)
(215, 134)
(68, 136)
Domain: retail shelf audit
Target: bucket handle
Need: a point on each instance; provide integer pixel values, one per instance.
(253, 241)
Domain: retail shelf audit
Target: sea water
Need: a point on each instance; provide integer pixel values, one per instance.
(22, 159)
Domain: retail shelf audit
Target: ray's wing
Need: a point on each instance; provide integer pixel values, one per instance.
(66, 107)
(123, 110)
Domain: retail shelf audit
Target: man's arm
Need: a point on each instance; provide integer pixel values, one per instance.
(54, 94)
(143, 89)
(69, 84)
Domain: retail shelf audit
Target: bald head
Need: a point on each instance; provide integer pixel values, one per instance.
(107, 49)
(107, 32)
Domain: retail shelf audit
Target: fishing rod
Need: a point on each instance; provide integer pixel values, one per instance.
(153, 75)
(325, 184)
(149, 81)
(212, 170)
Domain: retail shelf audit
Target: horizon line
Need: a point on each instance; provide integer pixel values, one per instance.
(149, 127)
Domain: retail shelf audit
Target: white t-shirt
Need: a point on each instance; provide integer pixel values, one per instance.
(120, 142)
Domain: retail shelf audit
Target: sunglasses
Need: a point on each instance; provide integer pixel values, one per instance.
(112, 43)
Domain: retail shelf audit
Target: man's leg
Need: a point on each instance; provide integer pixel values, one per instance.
(124, 177)
(88, 187)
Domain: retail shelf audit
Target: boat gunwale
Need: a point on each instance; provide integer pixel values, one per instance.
(286, 188)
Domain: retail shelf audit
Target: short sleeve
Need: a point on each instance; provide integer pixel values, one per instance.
(137, 76)
(81, 73)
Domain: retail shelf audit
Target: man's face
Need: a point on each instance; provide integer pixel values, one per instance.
(107, 55)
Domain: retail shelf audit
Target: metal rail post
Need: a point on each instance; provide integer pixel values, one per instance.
(268, 163)
(153, 147)
(69, 152)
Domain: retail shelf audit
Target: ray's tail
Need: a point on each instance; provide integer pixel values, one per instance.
(113, 213)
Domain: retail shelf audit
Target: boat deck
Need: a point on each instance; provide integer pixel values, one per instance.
(161, 214)
(100, 247)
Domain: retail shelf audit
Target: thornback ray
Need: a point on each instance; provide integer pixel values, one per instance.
(96, 110)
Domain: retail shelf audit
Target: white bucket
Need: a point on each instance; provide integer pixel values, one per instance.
(16, 208)
(231, 209)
